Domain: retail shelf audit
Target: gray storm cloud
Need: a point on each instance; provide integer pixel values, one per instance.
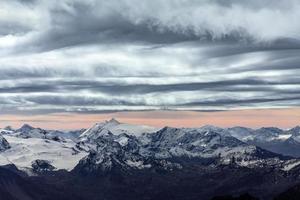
(104, 56)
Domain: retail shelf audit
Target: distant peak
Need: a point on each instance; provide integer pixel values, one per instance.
(113, 121)
(296, 128)
(211, 127)
(271, 129)
(167, 128)
(26, 127)
(240, 127)
(8, 128)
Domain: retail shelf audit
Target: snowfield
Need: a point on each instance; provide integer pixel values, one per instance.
(117, 128)
(62, 155)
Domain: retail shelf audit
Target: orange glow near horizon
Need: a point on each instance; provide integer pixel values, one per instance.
(284, 118)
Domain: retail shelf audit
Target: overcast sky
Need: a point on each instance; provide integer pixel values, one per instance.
(102, 56)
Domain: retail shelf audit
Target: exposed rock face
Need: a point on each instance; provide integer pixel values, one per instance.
(4, 145)
(117, 153)
(168, 148)
(42, 166)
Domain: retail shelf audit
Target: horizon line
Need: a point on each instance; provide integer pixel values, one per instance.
(106, 121)
(281, 118)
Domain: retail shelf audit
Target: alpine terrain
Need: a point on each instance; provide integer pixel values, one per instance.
(114, 160)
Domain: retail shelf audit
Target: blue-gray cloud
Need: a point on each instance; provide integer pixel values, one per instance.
(105, 56)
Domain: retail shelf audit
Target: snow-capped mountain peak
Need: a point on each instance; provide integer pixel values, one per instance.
(115, 127)
(212, 128)
(27, 131)
(295, 131)
(241, 133)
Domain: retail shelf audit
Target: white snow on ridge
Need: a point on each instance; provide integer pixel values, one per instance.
(123, 141)
(131, 129)
(28, 144)
(24, 151)
(137, 164)
(290, 166)
(5, 131)
(284, 137)
(117, 128)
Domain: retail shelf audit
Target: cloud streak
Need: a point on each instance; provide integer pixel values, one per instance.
(105, 56)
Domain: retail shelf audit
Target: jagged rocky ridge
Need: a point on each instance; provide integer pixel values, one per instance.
(174, 147)
(112, 144)
(286, 142)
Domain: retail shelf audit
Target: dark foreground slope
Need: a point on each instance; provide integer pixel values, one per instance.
(14, 185)
(191, 184)
(291, 194)
(195, 180)
(241, 197)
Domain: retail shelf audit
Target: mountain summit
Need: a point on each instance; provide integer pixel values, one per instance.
(115, 127)
(25, 128)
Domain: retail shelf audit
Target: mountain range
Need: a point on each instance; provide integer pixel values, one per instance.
(113, 160)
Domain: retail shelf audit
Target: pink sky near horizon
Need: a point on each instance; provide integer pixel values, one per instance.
(284, 118)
